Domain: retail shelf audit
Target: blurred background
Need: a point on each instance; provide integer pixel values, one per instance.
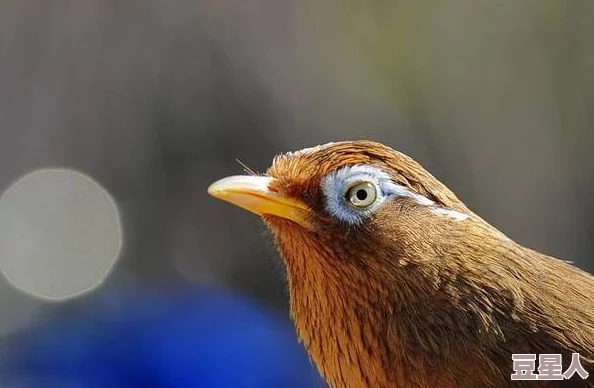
(142, 104)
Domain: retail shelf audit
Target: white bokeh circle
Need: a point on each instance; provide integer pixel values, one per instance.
(60, 234)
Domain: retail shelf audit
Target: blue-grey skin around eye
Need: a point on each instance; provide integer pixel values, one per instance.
(336, 184)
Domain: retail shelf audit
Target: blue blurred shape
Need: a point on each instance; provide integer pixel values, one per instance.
(200, 337)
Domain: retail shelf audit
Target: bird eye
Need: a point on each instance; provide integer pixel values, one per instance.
(361, 195)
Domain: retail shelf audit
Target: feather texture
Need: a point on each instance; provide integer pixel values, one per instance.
(411, 298)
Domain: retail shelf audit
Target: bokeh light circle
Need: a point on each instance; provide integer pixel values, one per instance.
(60, 234)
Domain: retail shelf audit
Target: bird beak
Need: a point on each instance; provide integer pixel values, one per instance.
(258, 195)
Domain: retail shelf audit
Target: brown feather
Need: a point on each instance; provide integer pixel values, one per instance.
(412, 300)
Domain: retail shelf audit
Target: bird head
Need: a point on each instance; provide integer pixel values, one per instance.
(393, 281)
(347, 204)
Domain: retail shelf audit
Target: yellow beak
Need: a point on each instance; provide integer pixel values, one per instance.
(257, 195)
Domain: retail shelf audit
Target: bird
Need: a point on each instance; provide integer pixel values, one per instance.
(394, 282)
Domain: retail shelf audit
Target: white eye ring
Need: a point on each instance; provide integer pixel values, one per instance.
(361, 194)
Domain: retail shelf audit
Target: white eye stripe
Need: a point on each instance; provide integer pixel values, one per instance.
(401, 191)
(453, 214)
(336, 184)
(422, 200)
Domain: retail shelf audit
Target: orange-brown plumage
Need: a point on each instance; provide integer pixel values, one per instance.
(415, 296)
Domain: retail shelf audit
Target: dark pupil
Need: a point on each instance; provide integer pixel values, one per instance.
(361, 194)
